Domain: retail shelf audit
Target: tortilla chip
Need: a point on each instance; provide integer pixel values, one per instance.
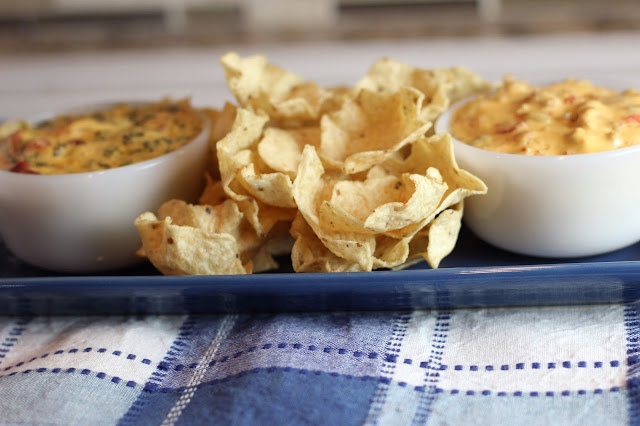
(370, 128)
(438, 239)
(310, 255)
(441, 86)
(274, 189)
(345, 179)
(233, 149)
(281, 94)
(281, 149)
(310, 192)
(184, 250)
(434, 152)
(380, 205)
(277, 243)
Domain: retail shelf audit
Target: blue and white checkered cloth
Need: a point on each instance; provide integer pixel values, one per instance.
(552, 365)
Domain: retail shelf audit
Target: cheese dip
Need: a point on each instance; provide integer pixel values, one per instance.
(568, 117)
(104, 139)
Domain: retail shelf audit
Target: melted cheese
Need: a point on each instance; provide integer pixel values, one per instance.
(568, 117)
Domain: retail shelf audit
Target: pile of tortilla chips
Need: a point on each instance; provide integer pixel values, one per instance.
(343, 178)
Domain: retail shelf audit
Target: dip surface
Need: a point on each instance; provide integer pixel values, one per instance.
(121, 135)
(568, 117)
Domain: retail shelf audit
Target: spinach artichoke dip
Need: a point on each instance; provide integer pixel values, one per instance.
(114, 137)
(567, 117)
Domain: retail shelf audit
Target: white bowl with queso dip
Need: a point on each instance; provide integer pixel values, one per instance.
(71, 185)
(561, 163)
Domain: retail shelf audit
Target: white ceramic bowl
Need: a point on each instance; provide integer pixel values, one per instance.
(83, 222)
(552, 206)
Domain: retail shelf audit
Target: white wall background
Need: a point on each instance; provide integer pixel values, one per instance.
(30, 84)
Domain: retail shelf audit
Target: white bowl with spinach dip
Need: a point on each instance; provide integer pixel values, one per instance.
(115, 136)
(72, 184)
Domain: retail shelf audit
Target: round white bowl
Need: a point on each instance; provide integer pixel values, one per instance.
(83, 222)
(552, 206)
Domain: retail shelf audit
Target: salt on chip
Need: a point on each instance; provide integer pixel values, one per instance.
(370, 128)
(441, 86)
(281, 94)
(184, 250)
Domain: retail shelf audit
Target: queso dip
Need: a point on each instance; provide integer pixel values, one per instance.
(568, 117)
(120, 135)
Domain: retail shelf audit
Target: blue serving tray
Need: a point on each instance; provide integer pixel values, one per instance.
(474, 275)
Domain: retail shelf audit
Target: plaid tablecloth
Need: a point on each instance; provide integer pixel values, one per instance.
(553, 365)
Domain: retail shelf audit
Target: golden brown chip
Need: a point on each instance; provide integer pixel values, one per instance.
(274, 189)
(425, 195)
(440, 86)
(184, 250)
(223, 218)
(434, 152)
(281, 94)
(370, 128)
(205, 224)
(234, 149)
(264, 198)
(278, 242)
(310, 192)
(438, 238)
(262, 217)
(344, 179)
(437, 151)
(380, 205)
(390, 252)
(281, 149)
(310, 255)
(337, 96)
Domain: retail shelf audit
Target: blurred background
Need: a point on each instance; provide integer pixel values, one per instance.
(57, 54)
(55, 25)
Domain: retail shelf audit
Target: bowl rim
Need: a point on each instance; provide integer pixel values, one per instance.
(441, 125)
(97, 106)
